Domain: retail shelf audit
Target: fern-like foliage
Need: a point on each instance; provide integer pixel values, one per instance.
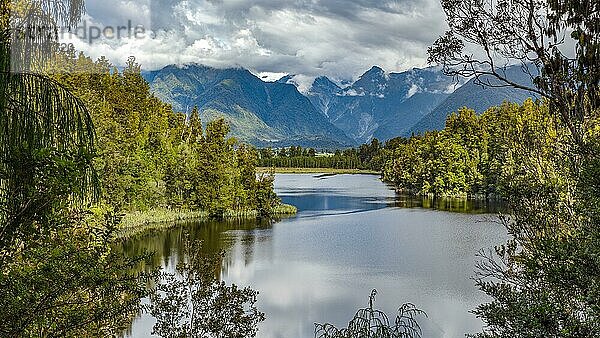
(42, 125)
(373, 323)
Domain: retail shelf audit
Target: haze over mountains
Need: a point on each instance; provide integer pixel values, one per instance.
(378, 105)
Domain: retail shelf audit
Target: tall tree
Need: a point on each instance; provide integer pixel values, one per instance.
(544, 280)
(41, 121)
(556, 42)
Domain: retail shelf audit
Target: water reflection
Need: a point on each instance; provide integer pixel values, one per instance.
(352, 234)
(167, 246)
(313, 194)
(460, 205)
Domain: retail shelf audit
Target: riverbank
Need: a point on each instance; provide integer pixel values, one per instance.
(140, 222)
(317, 171)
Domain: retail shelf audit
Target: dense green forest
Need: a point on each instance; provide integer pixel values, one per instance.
(149, 156)
(367, 156)
(476, 156)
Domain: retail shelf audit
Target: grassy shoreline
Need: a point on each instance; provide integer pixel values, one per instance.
(317, 171)
(141, 222)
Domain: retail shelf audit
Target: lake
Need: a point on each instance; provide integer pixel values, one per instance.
(352, 234)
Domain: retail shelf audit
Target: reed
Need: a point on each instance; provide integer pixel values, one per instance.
(285, 209)
(143, 222)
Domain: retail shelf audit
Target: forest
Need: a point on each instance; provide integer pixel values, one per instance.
(475, 156)
(367, 157)
(148, 156)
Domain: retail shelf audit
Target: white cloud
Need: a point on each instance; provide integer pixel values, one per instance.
(339, 39)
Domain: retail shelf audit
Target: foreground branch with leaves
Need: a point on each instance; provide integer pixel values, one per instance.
(192, 302)
(373, 323)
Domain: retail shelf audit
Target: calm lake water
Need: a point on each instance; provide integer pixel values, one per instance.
(352, 234)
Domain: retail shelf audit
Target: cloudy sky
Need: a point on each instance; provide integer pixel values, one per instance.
(337, 38)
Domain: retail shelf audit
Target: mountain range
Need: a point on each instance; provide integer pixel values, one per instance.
(377, 105)
(381, 105)
(261, 113)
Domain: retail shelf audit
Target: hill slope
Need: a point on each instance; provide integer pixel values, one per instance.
(260, 113)
(476, 97)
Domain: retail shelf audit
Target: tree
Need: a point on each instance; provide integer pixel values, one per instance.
(534, 34)
(544, 280)
(196, 304)
(266, 199)
(195, 126)
(247, 159)
(216, 169)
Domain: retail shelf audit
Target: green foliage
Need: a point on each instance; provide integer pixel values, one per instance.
(370, 322)
(151, 157)
(68, 283)
(42, 125)
(193, 303)
(474, 155)
(367, 156)
(132, 128)
(57, 274)
(266, 199)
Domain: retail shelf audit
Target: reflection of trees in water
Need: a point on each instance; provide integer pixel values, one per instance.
(459, 205)
(168, 247)
(237, 238)
(168, 250)
(192, 302)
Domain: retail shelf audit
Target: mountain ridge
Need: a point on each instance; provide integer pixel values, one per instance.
(284, 116)
(381, 105)
(377, 105)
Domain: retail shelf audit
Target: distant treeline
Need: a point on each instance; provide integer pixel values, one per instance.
(368, 157)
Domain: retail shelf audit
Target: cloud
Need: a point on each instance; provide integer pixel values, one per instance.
(337, 38)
